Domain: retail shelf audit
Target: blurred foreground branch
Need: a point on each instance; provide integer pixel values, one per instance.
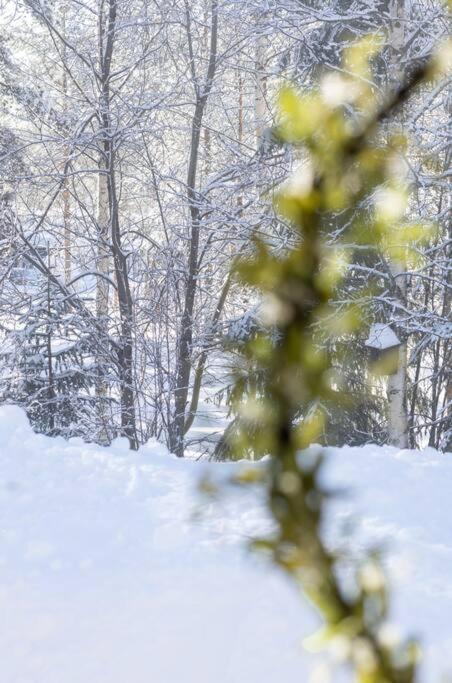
(287, 375)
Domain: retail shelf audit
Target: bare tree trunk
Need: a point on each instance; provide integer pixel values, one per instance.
(447, 308)
(183, 360)
(51, 394)
(125, 353)
(397, 383)
(102, 310)
(204, 354)
(397, 398)
(67, 233)
(448, 403)
(107, 29)
(261, 107)
(66, 193)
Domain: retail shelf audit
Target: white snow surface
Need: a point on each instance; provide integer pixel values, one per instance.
(107, 575)
(381, 337)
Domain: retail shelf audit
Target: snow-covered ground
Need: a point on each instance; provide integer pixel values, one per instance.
(113, 569)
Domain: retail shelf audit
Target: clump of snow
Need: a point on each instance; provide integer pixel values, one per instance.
(381, 337)
(113, 568)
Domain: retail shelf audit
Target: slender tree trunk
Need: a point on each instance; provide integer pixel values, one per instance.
(261, 107)
(67, 233)
(65, 193)
(51, 394)
(183, 360)
(396, 391)
(102, 305)
(107, 34)
(397, 383)
(447, 310)
(203, 356)
(125, 353)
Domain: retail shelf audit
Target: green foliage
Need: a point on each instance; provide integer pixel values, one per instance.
(282, 385)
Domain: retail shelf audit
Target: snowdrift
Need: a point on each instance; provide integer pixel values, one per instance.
(113, 569)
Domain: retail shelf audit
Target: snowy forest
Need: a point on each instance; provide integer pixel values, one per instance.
(137, 160)
(225, 323)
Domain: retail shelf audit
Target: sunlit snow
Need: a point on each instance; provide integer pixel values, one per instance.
(113, 568)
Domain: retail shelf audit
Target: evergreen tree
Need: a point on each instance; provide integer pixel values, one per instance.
(48, 365)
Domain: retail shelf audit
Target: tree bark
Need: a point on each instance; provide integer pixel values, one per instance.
(261, 108)
(397, 383)
(107, 29)
(102, 308)
(183, 360)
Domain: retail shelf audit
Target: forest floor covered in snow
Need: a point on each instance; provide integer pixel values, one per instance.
(114, 569)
